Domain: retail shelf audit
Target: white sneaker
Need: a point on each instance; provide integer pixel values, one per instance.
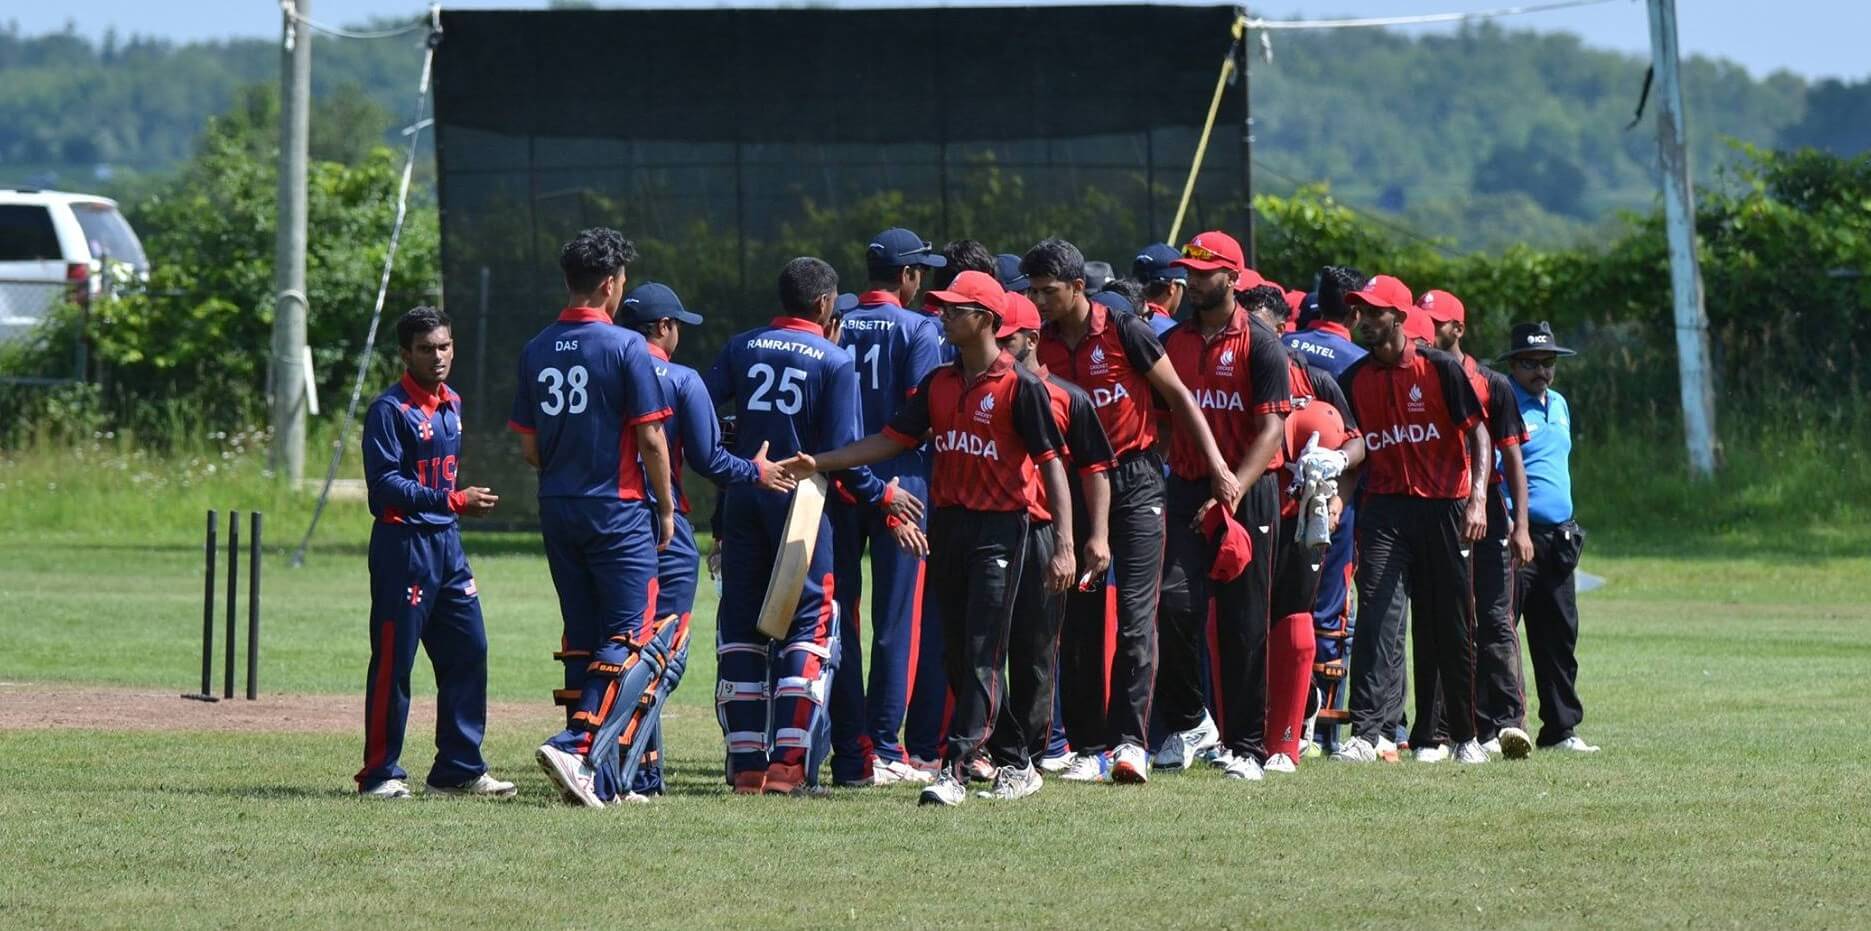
(1514, 743)
(1573, 744)
(482, 786)
(1471, 753)
(570, 774)
(1356, 750)
(630, 798)
(1088, 767)
(1180, 749)
(1217, 756)
(897, 772)
(388, 788)
(1244, 767)
(1054, 765)
(1013, 782)
(1434, 753)
(1130, 765)
(1493, 747)
(946, 791)
(1386, 750)
(1281, 763)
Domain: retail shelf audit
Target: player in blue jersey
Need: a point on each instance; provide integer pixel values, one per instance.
(1326, 342)
(1163, 284)
(421, 589)
(589, 411)
(894, 348)
(794, 391)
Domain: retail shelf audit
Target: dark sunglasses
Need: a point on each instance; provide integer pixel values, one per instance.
(1533, 365)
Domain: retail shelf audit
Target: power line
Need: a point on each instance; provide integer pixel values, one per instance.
(292, 12)
(1274, 24)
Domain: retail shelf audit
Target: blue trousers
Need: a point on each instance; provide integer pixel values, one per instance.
(770, 696)
(866, 717)
(676, 575)
(422, 592)
(602, 554)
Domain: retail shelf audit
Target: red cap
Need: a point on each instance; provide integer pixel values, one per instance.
(1248, 280)
(1234, 549)
(1417, 325)
(1442, 307)
(1022, 314)
(1383, 291)
(972, 287)
(1294, 300)
(1211, 250)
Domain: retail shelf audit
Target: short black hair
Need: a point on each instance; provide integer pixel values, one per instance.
(1053, 258)
(802, 282)
(1265, 296)
(969, 255)
(1336, 281)
(417, 321)
(1158, 288)
(594, 255)
(1131, 291)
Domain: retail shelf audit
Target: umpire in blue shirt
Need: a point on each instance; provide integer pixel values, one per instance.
(1544, 589)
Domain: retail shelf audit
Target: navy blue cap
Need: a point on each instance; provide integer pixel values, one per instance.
(1308, 310)
(1157, 263)
(1007, 269)
(650, 302)
(1115, 301)
(847, 302)
(900, 247)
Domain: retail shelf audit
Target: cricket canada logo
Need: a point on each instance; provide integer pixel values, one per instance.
(985, 412)
(1416, 399)
(1224, 366)
(1098, 366)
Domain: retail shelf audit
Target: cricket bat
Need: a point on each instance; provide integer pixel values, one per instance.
(795, 557)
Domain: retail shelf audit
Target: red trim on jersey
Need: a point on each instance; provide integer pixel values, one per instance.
(518, 427)
(656, 350)
(650, 417)
(796, 324)
(584, 315)
(874, 298)
(1326, 326)
(428, 402)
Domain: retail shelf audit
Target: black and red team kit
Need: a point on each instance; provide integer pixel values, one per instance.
(1238, 375)
(1416, 416)
(1110, 363)
(988, 434)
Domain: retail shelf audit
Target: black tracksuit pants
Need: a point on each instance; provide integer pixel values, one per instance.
(1025, 720)
(1107, 701)
(1411, 554)
(1548, 602)
(975, 562)
(1239, 660)
(1499, 696)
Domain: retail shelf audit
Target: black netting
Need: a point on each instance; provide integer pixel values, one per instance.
(727, 141)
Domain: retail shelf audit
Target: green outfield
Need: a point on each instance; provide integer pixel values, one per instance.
(1732, 788)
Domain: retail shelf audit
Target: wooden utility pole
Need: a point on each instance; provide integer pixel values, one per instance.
(289, 309)
(1679, 213)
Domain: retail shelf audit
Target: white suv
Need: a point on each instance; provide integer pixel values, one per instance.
(55, 245)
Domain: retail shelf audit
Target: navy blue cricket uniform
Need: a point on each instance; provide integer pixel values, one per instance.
(1328, 346)
(694, 439)
(794, 390)
(894, 349)
(421, 589)
(584, 386)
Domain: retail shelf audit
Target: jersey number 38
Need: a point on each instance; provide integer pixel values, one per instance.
(565, 391)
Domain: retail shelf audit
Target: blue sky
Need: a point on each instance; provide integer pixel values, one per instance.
(1813, 38)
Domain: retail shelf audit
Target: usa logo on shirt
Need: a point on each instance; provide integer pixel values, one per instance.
(985, 412)
(1225, 364)
(1416, 399)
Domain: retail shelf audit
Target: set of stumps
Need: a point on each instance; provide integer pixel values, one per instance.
(209, 548)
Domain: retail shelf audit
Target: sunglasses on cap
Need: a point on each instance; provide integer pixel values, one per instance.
(1533, 365)
(1204, 254)
(878, 249)
(952, 311)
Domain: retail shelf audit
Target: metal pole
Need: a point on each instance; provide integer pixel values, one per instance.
(233, 599)
(289, 308)
(1679, 213)
(253, 607)
(1247, 146)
